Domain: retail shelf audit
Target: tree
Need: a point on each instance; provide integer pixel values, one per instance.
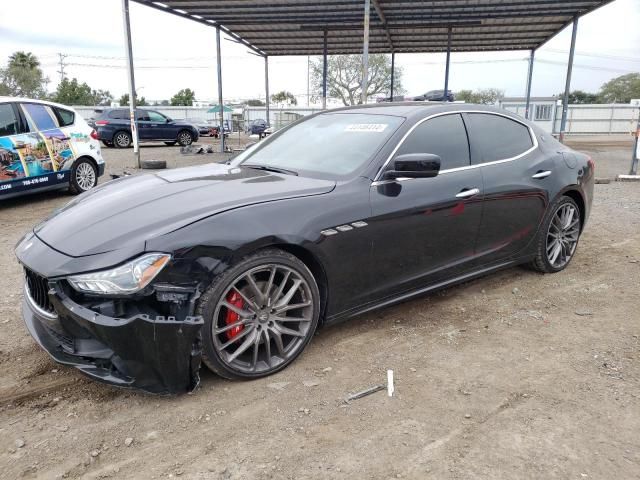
(284, 97)
(23, 76)
(254, 103)
(344, 77)
(184, 97)
(124, 101)
(71, 92)
(580, 97)
(621, 89)
(487, 96)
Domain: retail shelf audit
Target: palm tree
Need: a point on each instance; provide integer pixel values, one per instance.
(24, 60)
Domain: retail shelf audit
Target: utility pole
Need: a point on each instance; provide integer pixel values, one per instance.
(61, 56)
(308, 79)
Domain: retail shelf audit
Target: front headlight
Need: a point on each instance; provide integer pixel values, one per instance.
(127, 278)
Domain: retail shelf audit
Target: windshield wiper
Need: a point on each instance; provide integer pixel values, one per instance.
(270, 168)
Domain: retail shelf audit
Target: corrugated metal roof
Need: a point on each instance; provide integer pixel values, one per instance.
(296, 27)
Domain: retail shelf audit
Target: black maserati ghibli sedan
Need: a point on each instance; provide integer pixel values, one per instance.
(139, 281)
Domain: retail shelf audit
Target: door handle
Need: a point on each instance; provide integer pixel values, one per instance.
(542, 174)
(468, 193)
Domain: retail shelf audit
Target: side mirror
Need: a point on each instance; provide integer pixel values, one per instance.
(414, 165)
(168, 120)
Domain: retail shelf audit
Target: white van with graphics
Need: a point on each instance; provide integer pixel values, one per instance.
(46, 146)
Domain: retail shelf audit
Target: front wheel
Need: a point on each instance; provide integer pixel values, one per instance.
(84, 176)
(185, 138)
(558, 236)
(259, 315)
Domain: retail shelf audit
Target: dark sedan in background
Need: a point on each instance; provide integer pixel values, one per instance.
(114, 128)
(434, 96)
(138, 281)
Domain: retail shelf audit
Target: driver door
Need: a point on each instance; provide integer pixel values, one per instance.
(426, 228)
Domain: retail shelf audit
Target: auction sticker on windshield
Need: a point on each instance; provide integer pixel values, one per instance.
(366, 127)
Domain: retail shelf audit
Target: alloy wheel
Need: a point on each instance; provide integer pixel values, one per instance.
(562, 236)
(263, 318)
(122, 140)
(185, 138)
(85, 176)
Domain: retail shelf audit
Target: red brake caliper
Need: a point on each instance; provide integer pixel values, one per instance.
(232, 317)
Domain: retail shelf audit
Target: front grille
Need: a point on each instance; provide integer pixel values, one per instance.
(38, 287)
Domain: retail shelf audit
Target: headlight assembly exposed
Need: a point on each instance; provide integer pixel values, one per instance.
(127, 278)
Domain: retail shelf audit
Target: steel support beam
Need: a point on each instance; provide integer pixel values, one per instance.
(527, 113)
(383, 20)
(266, 88)
(324, 72)
(220, 100)
(393, 74)
(446, 69)
(567, 87)
(635, 157)
(132, 81)
(365, 51)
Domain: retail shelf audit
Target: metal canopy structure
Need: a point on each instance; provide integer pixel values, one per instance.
(339, 27)
(296, 27)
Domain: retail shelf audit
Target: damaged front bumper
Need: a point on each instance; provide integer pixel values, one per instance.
(156, 354)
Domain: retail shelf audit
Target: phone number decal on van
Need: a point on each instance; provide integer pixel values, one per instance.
(22, 184)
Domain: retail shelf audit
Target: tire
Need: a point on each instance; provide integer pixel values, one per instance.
(231, 351)
(185, 138)
(153, 164)
(554, 256)
(84, 176)
(107, 144)
(171, 144)
(122, 139)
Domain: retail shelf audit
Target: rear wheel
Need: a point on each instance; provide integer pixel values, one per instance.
(185, 138)
(558, 237)
(259, 315)
(122, 139)
(84, 176)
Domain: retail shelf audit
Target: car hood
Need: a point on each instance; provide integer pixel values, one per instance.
(129, 211)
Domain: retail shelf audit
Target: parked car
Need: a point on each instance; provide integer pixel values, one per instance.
(434, 96)
(114, 128)
(257, 127)
(340, 213)
(46, 146)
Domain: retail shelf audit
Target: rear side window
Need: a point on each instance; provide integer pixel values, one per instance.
(39, 117)
(119, 114)
(65, 117)
(8, 120)
(496, 138)
(444, 136)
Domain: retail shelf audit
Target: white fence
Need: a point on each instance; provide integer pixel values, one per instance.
(581, 119)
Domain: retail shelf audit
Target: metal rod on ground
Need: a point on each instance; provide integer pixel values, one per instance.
(324, 71)
(266, 86)
(446, 69)
(527, 114)
(393, 71)
(365, 52)
(132, 82)
(567, 88)
(220, 101)
(635, 158)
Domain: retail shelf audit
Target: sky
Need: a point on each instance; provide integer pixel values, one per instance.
(171, 53)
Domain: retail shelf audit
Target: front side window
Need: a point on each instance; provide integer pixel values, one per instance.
(331, 145)
(494, 137)
(8, 120)
(157, 117)
(444, 136)
(39, 117)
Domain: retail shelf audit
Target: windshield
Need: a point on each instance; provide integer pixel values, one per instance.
(332, 145)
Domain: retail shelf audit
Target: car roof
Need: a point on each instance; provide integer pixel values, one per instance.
(33, 100)
(418, 109)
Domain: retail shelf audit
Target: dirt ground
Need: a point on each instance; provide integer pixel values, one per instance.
(517, 375)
